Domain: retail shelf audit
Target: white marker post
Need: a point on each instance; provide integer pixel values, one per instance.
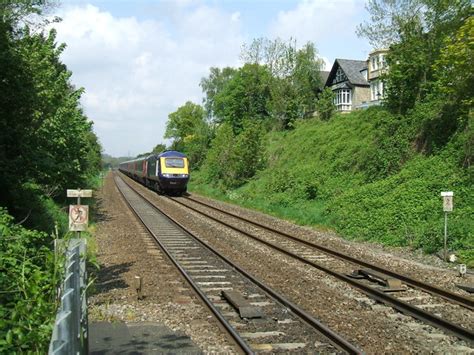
(447, 207)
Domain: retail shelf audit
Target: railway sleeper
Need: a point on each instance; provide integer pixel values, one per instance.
(466, 287)
(390, 284)
(245, 308)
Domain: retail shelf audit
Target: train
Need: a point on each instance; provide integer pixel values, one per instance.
(166, 173)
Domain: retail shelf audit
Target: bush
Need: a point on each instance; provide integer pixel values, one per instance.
(406, 208)
(234, 159)
(28, 283)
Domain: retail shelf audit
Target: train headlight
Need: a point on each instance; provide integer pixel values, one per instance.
(166, 175)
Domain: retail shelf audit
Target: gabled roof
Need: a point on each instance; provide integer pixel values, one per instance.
(352, 69)
(324, 76)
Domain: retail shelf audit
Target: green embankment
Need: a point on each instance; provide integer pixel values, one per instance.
(360, 175)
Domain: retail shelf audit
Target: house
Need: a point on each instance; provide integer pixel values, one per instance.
(356, 83)
(348, 80)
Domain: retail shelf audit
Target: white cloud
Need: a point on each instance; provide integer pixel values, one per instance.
(136, 72)
(315, 20)
(329, 24)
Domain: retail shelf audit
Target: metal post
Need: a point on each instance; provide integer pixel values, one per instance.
(445, 236)
(78, 233)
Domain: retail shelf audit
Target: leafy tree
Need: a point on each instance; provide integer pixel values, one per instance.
(249, 152)
(415, 31)
(277, 55)
(160, 147)
(453, 68)
(325, 104)
(387, 17)
(16, 111)
(233, 159)
(295, 76)
(220, 157)
(190, 131)
(14, 12)
(244, 97)
(61, 136)
(214, 84)
(45, 138)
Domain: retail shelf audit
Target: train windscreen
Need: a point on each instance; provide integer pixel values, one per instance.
(174, 162)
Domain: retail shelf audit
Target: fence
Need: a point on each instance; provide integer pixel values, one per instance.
(70, 328)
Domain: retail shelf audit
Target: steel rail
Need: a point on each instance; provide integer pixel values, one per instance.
(380, 296)
(332, 336)
(448, 295)
(236, 337)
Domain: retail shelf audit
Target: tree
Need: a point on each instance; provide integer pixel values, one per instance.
(244, 97)
(21, 11)
(453, 69)
(233, 159)
(46, 145)
(325, 104)
(295, 77)
(45, 139)
(248, 152)
(188, 128)
(387, 17)
(220, 160)
(277, 55)
(214, 84)
(59, 139)
(429, 81)
(415, 31)
(160, 147)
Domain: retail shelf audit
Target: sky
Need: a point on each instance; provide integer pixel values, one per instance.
(140, 60)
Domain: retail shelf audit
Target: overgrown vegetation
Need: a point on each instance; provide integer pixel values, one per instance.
(46, 145)
(28, 282)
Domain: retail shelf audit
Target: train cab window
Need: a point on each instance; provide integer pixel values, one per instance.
(174, 163)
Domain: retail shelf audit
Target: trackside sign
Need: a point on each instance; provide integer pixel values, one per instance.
(78, 218)
(79, 193)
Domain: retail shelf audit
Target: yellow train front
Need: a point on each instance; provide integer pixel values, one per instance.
(167, 172)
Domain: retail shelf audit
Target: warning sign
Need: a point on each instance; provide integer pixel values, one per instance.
(78, 217)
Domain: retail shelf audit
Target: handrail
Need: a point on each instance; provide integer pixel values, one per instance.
(71, 328)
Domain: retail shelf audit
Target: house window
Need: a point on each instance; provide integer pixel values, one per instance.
(340, 76)
(376, 90)
(382, 94)
(343, 99)
(374, 63)
(373, 91)
(383, 62)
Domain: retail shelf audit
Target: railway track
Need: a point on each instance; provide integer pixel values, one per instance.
(258, 318)
(415, 301)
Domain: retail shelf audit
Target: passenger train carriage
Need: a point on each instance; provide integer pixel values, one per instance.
(167, 172)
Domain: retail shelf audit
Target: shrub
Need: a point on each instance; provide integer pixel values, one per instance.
(28, 282)
(406, 208)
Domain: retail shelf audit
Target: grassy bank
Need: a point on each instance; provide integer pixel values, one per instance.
(360, 175)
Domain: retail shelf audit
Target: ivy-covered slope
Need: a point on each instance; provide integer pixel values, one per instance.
(359, 174)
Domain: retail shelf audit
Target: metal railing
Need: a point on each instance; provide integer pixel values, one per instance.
(71, 328)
